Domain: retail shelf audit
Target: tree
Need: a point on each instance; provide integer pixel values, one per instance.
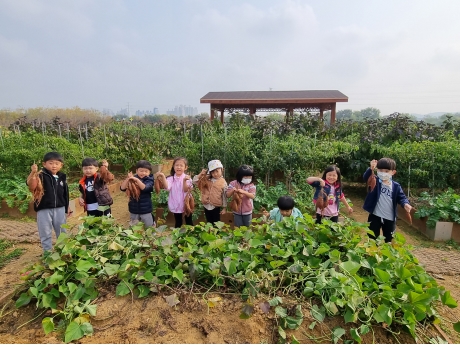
(370, 113)
(345, 114)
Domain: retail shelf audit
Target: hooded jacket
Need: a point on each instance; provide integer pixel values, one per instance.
(56, 192)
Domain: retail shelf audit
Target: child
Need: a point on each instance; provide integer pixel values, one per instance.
(93, 187)
(329, 188)
(247, 192)
(178, 184)
(51, 197)
(285, 209)
(213, 187)
(382, 198)
(142, 208)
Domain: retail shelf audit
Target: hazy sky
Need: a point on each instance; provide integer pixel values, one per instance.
(393, 55)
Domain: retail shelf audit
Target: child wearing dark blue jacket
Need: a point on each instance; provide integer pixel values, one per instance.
(140, 206)
(383, 195)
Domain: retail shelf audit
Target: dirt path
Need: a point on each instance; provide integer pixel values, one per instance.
(151, 320)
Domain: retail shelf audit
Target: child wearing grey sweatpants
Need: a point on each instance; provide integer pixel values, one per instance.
(51, 197)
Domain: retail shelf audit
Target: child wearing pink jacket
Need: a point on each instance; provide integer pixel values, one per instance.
(247, 190)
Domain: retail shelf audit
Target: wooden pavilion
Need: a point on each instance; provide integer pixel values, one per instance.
(274, 101)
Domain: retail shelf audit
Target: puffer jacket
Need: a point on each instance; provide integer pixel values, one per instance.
(101, 190)
(144, 204)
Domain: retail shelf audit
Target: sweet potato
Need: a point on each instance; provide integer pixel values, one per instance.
(235, 204)
(133, 190)
(105, 174)
(38, 192)
(189, 204)
(204, 184)
(321, 202)
(371, 182)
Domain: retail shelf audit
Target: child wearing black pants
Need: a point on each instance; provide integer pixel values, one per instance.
(382, 198)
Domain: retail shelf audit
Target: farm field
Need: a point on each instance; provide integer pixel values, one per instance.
(293, 281)
(193, 320)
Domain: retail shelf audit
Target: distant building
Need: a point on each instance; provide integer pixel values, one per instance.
(123, 112)
(107, 112)
(183, 110)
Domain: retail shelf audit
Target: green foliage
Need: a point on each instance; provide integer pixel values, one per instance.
(14, 191)
(6, 255)
(360, 279)
(267, 196)
(305, 142)
(444, 207)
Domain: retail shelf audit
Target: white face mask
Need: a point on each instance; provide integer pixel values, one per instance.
(384, 176)
(246, 180)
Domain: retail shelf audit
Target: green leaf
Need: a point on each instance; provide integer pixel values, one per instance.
(78, 293)
(91, 309)
(207, 237)
(314, 262)
(382, 275)
(143, 291)
(87, 328)
(448, 300)
(355, 335)
(402, 272)
(318, 313)
(49, 301)
(337, 333)
(55, 277)
(48, 325)
(84, 265)
(350, 267)
(178, 274)
(281, 312)
(275, 301)
(323, 248)
(457, 326)
(383, 314)
(364, 329)
(148, 276)
(349, 316)
(230, 266)
(255, 243)
(23, 300)
(73, 332)
(123, 288)
(72, 287)
(111, 269)
(281, 332)
(277, 263)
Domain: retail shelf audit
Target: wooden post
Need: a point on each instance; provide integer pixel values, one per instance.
(252, 112)
(321, 111)
(289, 112)
(211, 112)
(333, 113)
(222, 109)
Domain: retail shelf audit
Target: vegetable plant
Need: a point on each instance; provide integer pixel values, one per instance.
(366, 282)
(444, 207)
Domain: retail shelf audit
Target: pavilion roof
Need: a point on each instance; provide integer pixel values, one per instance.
(279, 97)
